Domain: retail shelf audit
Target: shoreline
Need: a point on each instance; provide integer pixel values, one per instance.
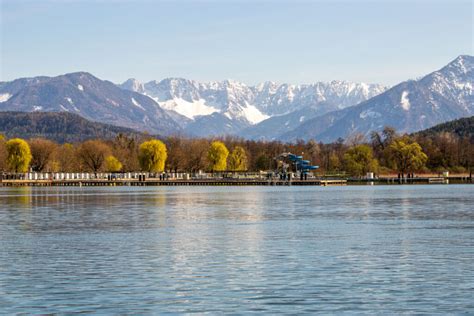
(234, 182)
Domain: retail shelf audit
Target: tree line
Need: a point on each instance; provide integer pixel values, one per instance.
(384, 152)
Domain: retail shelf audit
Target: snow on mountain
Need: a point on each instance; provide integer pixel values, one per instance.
(404, 101)
(133, 85)
(252, 114)
(138, 105)
(4, 97)
(246, 106)
(441, 96)
(90, 97)
(453, 82)
(292, 105)
(278, 99)
(189, 109)
(269, 110)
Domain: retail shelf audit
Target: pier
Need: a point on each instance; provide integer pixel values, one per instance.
(175, 182)
(209, 179)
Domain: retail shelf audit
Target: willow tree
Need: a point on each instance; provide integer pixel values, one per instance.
(238, 159)
(359, 160)
(217, 156)
(112, 164)
(152, 155)
(18, 155)
(407, 156)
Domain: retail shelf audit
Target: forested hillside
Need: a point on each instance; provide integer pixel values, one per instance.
(463, 127)
(58, 126)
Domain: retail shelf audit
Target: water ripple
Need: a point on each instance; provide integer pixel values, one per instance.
(383, 250)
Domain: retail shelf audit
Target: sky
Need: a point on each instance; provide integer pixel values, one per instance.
(250, 41)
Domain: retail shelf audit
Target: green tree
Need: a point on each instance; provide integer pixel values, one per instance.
(18, 155)
(359, 160)
(407, 156)
(263, 162)
(381, 141)
(152, 155)
(334, 162)
(238, 159)
(112, 164)
(217, 156)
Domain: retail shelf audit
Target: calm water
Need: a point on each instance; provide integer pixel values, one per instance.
(380, 249)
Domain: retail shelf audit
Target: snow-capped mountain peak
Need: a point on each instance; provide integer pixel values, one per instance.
(443, 95)
(250, 105)
(270, 110)
(463, 64)
(133, 85)
(90, 97)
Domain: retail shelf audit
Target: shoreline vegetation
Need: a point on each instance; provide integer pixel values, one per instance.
(386, 157)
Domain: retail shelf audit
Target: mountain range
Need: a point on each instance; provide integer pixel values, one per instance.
(413, 105)
(231, 107)
(323, 111)
(94, 99)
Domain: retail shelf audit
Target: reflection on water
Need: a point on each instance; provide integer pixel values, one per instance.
(384, 249)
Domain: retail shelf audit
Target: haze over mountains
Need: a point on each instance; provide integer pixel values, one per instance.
(324, 111)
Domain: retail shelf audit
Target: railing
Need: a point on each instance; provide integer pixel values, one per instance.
(66, 176)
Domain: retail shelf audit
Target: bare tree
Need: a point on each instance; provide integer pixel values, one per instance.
(42, 151)
(92, 154)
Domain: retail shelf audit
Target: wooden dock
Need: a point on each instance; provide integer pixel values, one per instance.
(157, 182)
(416, 180)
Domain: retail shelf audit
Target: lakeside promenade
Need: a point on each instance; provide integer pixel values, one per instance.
(204, 179)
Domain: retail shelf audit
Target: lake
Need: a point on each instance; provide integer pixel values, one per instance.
(147, 250)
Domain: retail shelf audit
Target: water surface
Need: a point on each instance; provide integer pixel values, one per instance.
(123, 250)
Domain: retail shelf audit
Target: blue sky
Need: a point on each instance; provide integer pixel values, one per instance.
(250, 41)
